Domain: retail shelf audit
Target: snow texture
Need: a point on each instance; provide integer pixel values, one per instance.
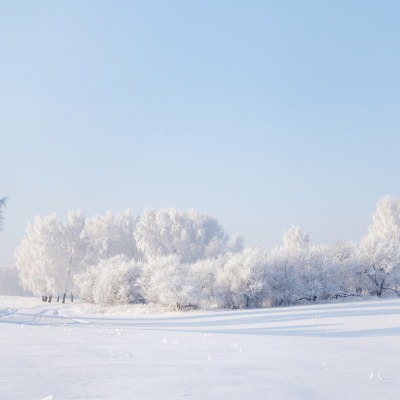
(332, 351)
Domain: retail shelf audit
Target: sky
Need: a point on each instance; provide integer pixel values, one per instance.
(262, 113)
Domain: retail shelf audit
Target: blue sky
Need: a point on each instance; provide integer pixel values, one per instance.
(262, 113)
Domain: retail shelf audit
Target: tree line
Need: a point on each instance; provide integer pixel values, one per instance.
(185, 259)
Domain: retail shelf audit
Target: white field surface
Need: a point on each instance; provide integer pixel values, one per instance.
(331, 351)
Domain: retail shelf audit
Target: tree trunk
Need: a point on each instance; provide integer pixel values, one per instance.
(45, 299)
(64, 296)
(72, 298)
(50, 297)
(58, 298)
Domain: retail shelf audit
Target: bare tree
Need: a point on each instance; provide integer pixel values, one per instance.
(2, 205)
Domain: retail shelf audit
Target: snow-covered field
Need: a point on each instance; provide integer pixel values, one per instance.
(333, 351)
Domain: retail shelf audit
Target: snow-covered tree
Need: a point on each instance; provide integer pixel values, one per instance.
(169, 282)
(386, 218)
(240, 279)
(191, 235)
(113, 281)
(294, 239)
(379, 251)
(110, 235)
(346, 273)
(204, 273)
(282, 276)
(342, 251)
(316, 275)
(35, 253)
(2, 205)
(380, 259)
(284, 265)
(299, 271)
(85, 283)
(51, 253)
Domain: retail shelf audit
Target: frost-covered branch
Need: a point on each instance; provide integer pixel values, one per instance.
(2, 206)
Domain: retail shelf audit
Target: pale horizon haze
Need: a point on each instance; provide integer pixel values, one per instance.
(263, 114)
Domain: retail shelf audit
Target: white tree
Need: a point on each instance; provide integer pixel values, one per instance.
(282, 277)
(113, 281)
(386, 218)
(240, 279)
(2, 205)
(379, 251)
(85, 283)
(346, 271)
(380, 259)
(299, 271)
(51, 253)
(110, 235)
(73, 248)
(204, 273)
(35, 255)
(294, 239)
(284, 267)
(316, 274)
(169, 282)
(191, 235)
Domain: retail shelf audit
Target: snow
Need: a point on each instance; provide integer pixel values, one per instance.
(330, 351)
